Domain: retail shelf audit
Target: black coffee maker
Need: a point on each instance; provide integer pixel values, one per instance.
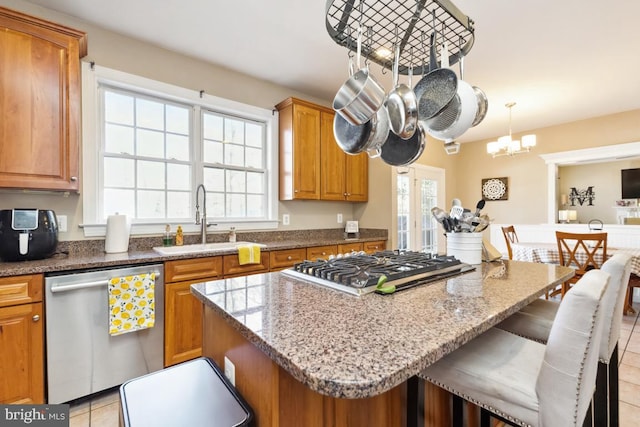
(27, 234)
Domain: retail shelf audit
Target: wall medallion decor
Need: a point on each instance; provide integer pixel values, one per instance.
(495, 188)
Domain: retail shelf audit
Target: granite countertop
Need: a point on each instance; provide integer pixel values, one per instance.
(88, 254)
(346, 346)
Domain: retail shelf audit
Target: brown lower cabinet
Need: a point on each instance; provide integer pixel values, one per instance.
(183, 312)
(21, 340)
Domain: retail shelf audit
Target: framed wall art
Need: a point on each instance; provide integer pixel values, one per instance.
(495, 188)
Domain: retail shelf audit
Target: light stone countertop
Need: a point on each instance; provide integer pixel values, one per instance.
(354, 347)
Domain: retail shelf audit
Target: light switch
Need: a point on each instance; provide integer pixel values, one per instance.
(62, 223)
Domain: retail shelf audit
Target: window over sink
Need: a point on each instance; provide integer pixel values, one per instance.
(155, 143)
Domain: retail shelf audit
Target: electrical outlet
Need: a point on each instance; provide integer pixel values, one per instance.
(339, 218)
(285, 219)
(62, 223)
(230, 371)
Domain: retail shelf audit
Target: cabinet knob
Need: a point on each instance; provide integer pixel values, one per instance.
(36, 318)
(324, 253)
(73, 178)
(289, 258)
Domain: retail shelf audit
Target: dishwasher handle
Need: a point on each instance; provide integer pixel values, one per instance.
(84, 285)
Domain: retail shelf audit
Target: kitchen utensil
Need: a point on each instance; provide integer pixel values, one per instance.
(402, 152)
(479, 207)
(354, 139)
(483, 105)
(379, 137)
(456, 118)
(436, 89)
(439, 214)
(361, 96)
(402, 104)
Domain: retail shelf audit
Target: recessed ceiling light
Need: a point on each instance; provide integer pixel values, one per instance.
(383, 52)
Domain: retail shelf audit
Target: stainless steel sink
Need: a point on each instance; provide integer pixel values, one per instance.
(200, 247)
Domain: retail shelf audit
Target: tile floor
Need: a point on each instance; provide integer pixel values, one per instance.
(103, 410)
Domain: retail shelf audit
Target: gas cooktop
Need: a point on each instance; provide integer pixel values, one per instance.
(358, 274)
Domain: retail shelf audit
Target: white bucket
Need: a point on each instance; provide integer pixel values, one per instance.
(467, 247)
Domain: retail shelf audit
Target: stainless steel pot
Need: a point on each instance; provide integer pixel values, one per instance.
(458, 115)
(361, 96)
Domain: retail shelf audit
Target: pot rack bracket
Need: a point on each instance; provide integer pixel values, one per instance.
(384, 22)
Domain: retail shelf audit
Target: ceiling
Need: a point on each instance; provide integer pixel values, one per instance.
(560, 61)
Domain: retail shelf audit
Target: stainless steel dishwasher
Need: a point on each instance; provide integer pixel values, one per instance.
(82, 358)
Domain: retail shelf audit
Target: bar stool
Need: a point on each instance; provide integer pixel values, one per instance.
(525, 382)
(535, 321)
(193, 393)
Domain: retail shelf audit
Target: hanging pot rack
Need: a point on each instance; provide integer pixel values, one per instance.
(408, 23)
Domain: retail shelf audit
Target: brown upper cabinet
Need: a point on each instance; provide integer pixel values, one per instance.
(312, 166)
(39, 103)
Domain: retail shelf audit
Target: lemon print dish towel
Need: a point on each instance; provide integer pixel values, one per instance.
(131, 303)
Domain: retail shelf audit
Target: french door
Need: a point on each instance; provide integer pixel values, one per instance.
(417, 190)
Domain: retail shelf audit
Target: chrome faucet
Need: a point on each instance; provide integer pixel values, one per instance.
(202, 221)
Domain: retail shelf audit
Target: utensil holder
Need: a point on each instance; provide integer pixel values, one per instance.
(466, 247)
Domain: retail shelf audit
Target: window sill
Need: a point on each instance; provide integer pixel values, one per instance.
(99, 230)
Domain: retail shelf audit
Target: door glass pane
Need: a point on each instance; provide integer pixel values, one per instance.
(428, 200)
(403, 212)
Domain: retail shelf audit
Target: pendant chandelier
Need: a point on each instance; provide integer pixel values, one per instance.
(507, 146)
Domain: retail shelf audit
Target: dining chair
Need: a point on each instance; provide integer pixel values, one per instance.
(536, 319)
(526, 383)
(510, 237)
(582, 251)
(634, 282)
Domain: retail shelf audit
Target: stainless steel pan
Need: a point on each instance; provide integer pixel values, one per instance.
(436, 89)
(402, 104)
(354, 139)
(402, 152)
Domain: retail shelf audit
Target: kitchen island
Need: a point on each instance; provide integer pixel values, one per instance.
(309, 355)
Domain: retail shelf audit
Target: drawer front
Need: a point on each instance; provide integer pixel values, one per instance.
(233, 268)
(321, 252)
(20, 289)
(371, 247)
(286, 258)
(346, 248)
(193, 269)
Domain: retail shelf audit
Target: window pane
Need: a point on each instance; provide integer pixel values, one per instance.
(215, 205)
(120, 201)
(233, 131)
(149, 114)
(214, 179)
(118, 108)
(118, 139)
(254, 158)
(179, 204)
(213, 152)
(150, 204)
(178, 177)
(253, 135)
(178, 119)
(255, 182)
(255, 206)
(150, 143)
(234, 155)
(177, 147)
(151, 175)
(212, 125)
(236, 182)
(118, 172)
(236, 205)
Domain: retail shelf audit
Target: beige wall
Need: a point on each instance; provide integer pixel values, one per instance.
(526, 173)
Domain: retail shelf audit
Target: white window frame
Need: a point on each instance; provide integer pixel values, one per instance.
(93, 76)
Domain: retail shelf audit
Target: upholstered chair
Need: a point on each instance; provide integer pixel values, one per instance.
(527, 383)
(535, 321)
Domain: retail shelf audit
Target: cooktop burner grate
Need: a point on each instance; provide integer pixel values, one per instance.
(359, 274)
